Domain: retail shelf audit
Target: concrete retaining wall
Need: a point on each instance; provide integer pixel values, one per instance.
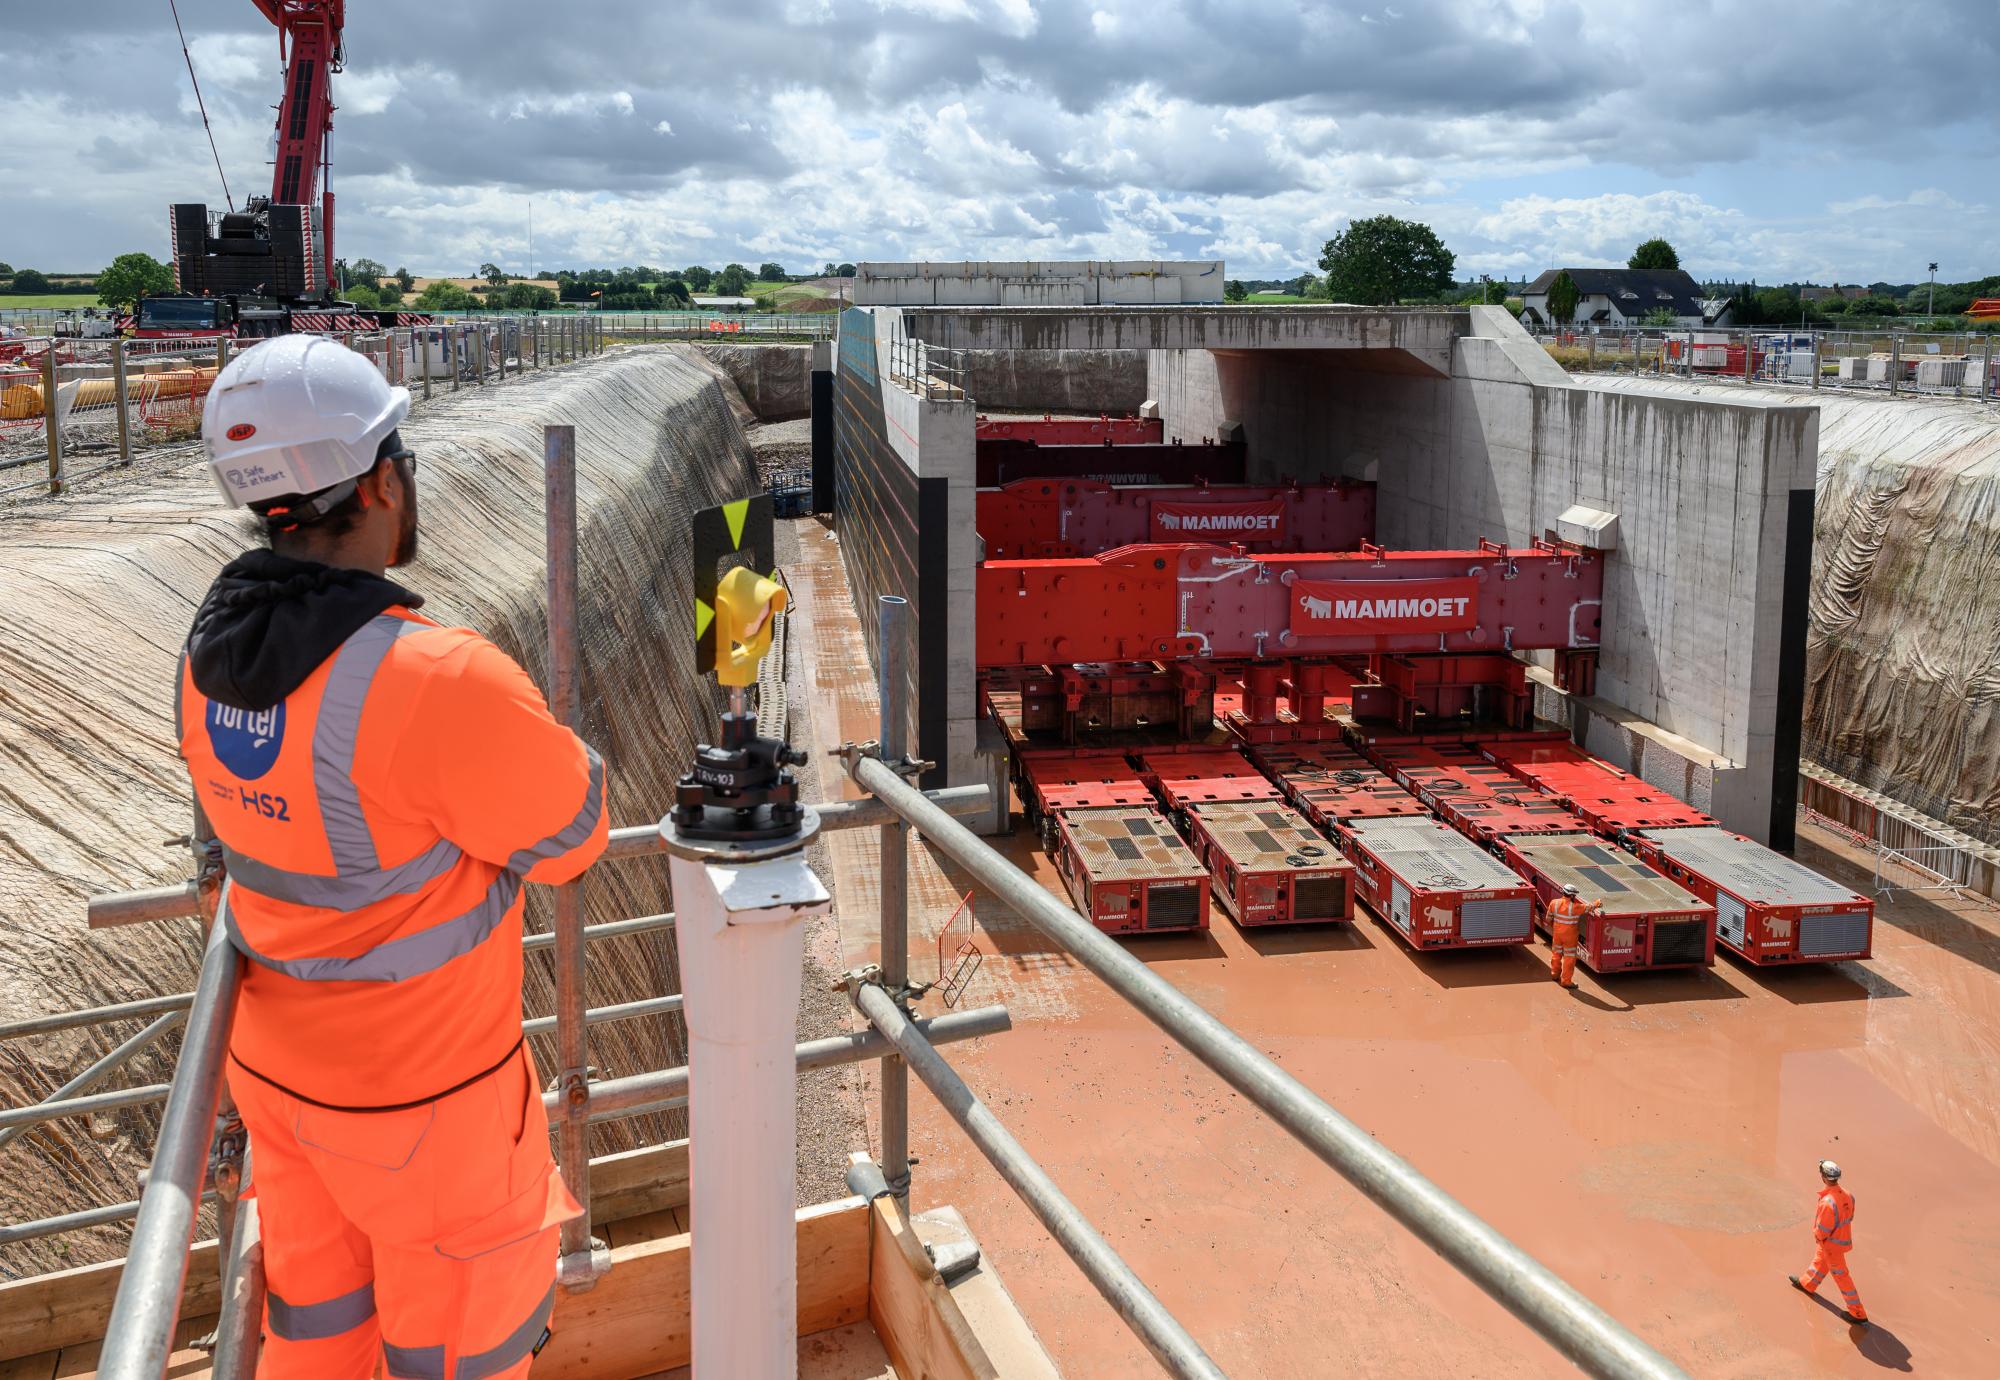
(1704, 489)
(1056, 380)
(775, 380)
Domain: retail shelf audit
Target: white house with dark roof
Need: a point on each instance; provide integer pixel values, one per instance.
(1612, 298)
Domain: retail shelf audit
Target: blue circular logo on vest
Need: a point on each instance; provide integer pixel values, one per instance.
(246, 740)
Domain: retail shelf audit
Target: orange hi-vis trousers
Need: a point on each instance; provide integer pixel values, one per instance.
(422, 1239)
(1832, 1260)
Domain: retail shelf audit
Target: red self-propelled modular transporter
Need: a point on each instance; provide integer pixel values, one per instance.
(1646, 920)
(1769, 909)
(1433, 886)
(1266, 864)
(1125, 867)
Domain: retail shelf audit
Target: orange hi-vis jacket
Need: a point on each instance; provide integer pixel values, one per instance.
(377, 826)
(1566, 917)
(1833, 1218)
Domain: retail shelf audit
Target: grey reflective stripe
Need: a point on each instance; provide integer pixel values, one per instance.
(315, 1322)
(359, 878)
(408, 957)
(515, 1349)
(343, 893)
(414, 1362)
(334, 735)
(577, 831)
(180, 694)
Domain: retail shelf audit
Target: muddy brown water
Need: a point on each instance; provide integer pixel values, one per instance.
(1651, 1138)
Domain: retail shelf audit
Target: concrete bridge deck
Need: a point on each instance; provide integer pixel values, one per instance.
(1424, 334)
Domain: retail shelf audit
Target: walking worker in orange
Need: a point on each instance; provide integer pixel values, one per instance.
(382, 788)
(1833, 1235)
(1566, 916)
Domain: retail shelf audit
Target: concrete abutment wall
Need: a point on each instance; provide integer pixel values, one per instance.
(1695, 691)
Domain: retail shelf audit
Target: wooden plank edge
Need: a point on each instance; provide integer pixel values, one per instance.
(633, 1183)
(634, 1321)
(69, 1307)
(916, 1318)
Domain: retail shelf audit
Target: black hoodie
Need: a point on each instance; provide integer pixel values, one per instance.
(268, 621)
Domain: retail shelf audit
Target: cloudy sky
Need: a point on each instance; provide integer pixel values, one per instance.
(1814, 141)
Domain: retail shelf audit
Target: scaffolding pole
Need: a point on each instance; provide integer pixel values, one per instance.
(1576, 1327)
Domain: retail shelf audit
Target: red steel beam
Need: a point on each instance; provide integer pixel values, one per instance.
(1041, 519)
(1171, 602)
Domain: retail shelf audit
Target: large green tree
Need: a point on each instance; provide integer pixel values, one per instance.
(28, 280)
(772, 273)
(1383, 260)
(1654, 253)
(697, 278)
(441, 294)
(732, 280)
(130, 277)
(1563, 298)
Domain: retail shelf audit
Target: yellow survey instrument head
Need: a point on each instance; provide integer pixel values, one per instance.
(745, 603)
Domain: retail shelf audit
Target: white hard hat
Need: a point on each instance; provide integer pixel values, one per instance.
(294, 415)
(1829, 1170)
(1569, 889)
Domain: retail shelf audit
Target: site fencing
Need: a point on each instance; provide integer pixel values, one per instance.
(115, 399)
(1959, 365)
(1911, 852)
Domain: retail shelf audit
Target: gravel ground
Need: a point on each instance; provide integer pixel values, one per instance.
(780, 446)
(832, 1109)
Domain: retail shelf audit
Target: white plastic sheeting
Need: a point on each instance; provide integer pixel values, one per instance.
(1903, 669)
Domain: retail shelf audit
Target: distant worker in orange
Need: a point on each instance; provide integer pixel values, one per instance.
(382, 788)
(1566, 916)
(1833, 1234)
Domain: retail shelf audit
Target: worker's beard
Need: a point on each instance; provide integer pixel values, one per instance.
(406, 534)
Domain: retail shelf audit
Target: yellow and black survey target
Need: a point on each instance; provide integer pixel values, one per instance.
(729, 535)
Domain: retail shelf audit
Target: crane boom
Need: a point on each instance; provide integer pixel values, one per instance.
(309, 47)
(268, 268)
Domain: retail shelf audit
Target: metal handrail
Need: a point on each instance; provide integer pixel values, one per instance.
(1162, 1333)
(180, 1001)
(138, 1339)
(1576, 1327)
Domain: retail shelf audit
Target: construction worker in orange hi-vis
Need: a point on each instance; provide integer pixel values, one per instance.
(1566, 916)
(382, 788)
(1833, 1235)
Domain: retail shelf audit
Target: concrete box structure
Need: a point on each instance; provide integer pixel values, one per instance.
(1027, 283)
(1468, 430)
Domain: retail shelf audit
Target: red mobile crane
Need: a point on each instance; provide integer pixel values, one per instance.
(268, 268)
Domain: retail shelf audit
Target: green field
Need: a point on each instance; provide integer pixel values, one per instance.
(44, 301)
(1273, 298)
(782, 294)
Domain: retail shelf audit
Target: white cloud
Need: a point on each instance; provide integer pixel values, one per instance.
(1528, 132)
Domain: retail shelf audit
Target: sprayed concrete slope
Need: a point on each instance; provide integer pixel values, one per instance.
(1651, 1138)
(1903, 673)
(99, 591)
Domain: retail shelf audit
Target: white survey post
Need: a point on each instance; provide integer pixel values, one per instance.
(740, 928)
